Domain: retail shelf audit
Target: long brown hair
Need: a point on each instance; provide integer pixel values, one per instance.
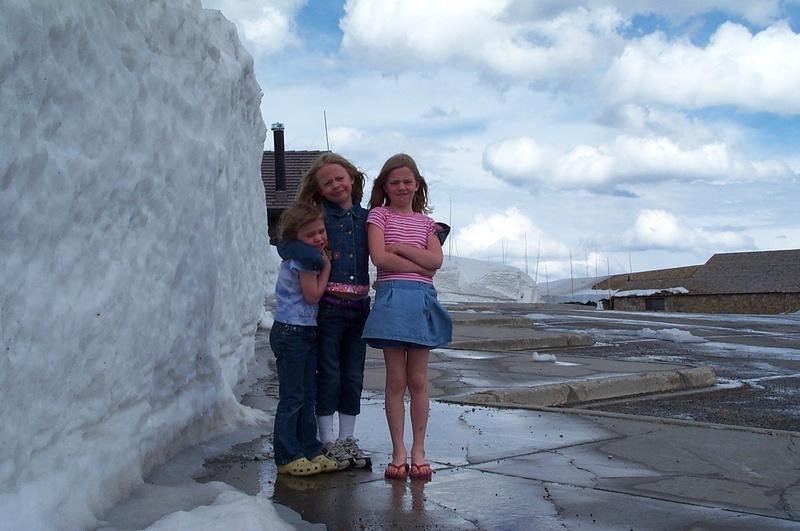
(308, 191)
(294, 217)
(378, 197)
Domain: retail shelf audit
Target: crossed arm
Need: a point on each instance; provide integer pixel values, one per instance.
(401, 257)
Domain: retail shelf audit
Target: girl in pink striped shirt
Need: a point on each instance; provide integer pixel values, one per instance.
(406, 319)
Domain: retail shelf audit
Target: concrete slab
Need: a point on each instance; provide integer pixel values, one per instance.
(517, 378)
(531, 469)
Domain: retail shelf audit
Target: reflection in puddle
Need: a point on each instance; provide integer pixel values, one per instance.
(402, 503)
(466, 354)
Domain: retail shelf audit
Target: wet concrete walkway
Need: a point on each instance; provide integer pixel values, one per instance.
(530, 467)
(519, 469)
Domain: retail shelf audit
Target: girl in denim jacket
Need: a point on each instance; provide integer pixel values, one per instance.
(336, 185)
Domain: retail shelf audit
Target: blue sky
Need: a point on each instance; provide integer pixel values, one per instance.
(633, 133)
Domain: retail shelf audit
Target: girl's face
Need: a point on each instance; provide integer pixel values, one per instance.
(400, 187)
(336, 185)
(313, 233)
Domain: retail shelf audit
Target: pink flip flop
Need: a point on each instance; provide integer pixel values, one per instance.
(396, 471)
(421, 471)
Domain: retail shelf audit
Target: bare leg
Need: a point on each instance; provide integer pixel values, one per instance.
(417, 374)
(395, 360)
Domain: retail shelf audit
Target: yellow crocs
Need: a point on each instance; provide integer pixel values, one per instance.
(299, 467)
(325, 464)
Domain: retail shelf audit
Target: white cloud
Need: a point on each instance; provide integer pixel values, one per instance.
(630, 159)
(265, 26)
(509, 229)
(408, 34)
(757, 11)
(658, 229)
(757, 72)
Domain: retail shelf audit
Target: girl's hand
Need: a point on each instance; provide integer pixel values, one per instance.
(395, 248)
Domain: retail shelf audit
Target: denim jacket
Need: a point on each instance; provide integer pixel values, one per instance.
(347, 243)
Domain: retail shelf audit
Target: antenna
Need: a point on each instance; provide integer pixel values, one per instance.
(526, 253)
(325, 119)
(571, 281)
(586, 255)
(546, 280)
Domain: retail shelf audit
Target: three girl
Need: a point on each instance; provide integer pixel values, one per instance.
(406, 320)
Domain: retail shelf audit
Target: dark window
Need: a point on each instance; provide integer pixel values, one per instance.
(655, 304)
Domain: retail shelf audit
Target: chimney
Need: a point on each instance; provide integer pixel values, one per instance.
(280, 158)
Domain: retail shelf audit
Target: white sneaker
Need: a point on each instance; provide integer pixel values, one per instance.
(358, 458)
(336, 453)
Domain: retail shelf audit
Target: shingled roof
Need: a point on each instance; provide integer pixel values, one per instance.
(657, 279)
(752, 272)
(297, 164)
(723, 273)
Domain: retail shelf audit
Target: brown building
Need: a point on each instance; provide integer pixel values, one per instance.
(761, 282)
(281, 172)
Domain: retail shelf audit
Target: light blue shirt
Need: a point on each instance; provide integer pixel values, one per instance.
(292, 308)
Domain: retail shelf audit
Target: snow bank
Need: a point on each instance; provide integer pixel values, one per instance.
(469, 280)
(577, 290)
(648, 292)
(133, 233)
(247, 513)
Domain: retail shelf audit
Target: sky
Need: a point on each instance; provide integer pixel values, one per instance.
(565, 137)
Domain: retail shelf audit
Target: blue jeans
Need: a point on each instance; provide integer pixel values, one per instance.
(295, 349)
(340, 365)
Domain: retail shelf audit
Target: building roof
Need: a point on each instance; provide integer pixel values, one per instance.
(297, 164)
(723, 273)
(752, 272)
(646, 280)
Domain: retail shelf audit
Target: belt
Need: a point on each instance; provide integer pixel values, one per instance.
(357, 304)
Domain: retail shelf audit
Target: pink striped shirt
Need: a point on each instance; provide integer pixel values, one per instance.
(412, 229)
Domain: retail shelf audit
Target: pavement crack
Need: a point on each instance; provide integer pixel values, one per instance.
(572, 461)
(785, 504)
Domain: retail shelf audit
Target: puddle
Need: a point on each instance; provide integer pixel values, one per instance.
(467, 354)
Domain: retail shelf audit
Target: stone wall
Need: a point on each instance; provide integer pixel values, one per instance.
(746, 303)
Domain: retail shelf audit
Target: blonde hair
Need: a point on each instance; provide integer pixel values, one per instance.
(308, 191)
(294, 217)
(378, 197)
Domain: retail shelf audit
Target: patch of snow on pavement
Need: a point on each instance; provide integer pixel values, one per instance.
(671, 334)
(542, 357)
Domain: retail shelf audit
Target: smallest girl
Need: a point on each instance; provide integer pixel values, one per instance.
(406, 320)
(293, 339)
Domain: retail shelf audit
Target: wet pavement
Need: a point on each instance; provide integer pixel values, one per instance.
(530, 467)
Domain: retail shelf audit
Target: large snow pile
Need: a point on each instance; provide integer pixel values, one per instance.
(576, 290)
(133, 233)
(469, 280)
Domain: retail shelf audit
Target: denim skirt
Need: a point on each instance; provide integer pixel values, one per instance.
(407, 313)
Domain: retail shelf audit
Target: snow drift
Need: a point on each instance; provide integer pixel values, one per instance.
(469, 280)
(133, 235)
